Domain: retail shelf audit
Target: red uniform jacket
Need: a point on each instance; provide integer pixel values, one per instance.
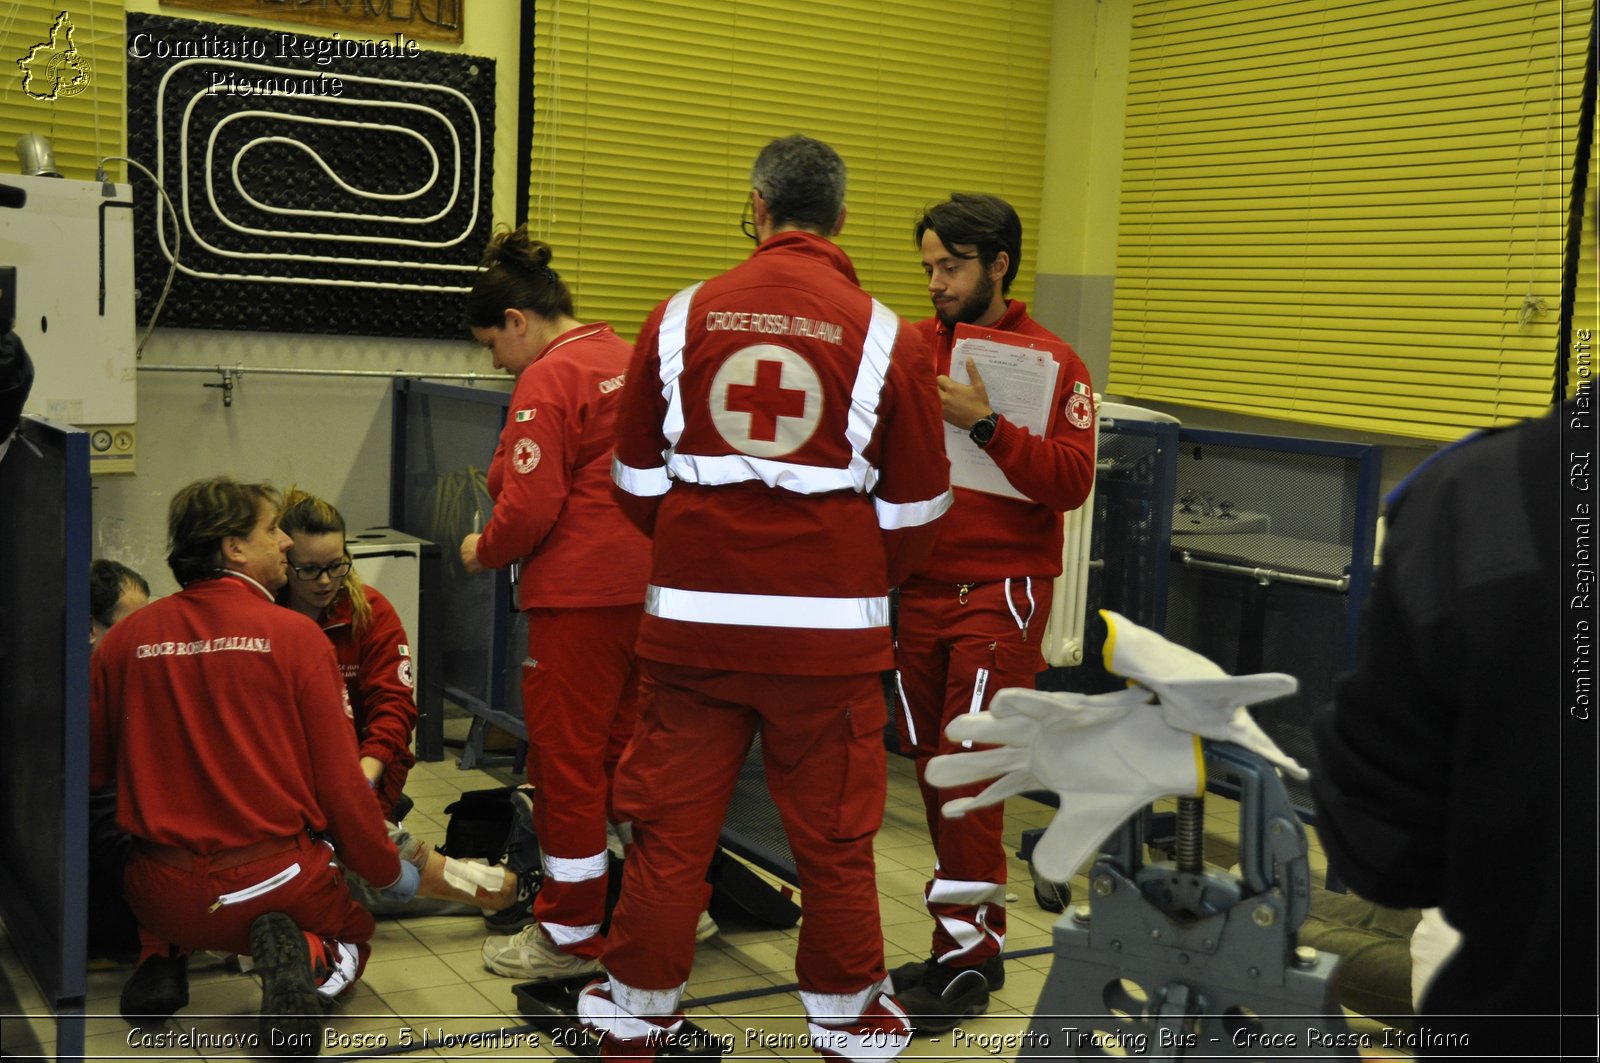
(987, 537)
(379, 677)
(219, 716)
(550, 480)
(782, 438)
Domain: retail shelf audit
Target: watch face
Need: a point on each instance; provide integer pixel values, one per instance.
(983, 431)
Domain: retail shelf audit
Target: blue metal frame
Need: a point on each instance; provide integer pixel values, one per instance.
(1369, 468)
(54, 944)
(1163, 487)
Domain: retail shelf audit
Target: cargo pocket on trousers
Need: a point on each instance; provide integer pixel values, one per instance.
(859, 809)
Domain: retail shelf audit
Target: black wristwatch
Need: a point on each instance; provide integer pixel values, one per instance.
(983, 430)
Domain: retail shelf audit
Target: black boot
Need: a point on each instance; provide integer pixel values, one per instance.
(946, 995)
(158, 987)
(291, 1010)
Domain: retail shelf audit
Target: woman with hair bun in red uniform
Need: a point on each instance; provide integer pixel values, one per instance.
(583, 570)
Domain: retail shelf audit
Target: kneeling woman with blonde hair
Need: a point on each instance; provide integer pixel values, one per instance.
(375, 659)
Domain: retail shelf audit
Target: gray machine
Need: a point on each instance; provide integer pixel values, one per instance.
(1174, 959)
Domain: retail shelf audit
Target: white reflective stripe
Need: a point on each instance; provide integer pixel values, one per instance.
(569, 935)
(266, 885)
(618, 1009)
(342, 969)
(877, 1044)
(955, 891)
(767, 610)
(905, 707)
(892, 515)
(968, 936)
(645, 483)
(580, 869)
(651, 1002)
(980, 683)
(711, 470)
(670, 341)
(867, 391)
(839, 1008)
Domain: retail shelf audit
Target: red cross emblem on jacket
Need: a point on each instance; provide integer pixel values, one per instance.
(766, 400)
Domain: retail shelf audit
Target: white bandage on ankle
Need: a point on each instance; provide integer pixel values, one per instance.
(468, 876)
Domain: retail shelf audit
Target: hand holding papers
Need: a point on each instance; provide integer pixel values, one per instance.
(1021, 381)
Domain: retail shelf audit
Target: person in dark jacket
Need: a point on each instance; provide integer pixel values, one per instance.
(1446, 779)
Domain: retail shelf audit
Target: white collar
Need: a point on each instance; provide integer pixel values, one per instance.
(252, 581)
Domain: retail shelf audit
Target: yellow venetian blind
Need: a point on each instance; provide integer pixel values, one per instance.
(648, 114)
(1347, 214)
(63, 76)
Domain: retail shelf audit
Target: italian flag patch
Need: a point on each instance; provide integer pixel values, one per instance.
(525, 415)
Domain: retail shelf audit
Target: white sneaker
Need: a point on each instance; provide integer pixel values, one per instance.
(529, 953)
(705, 929)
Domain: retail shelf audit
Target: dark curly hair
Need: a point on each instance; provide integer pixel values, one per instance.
(515, 274)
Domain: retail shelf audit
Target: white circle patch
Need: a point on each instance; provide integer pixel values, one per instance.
(1080, 411)
(525, 456)
(404, 672)
(766, 400)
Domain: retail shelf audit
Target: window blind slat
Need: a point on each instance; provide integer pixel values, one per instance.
(1333, 214)
(649, 114)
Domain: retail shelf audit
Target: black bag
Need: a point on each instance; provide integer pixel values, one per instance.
(479, 824)
(740, 896)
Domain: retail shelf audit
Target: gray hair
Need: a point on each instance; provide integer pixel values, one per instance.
(802, 182)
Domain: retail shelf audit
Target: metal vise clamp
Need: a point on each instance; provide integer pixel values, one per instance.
(1174, 957)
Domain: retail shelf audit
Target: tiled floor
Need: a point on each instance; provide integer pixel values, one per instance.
(426, 982)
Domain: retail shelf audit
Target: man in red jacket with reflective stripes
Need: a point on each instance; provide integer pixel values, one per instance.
(781, 442)
(972, 617)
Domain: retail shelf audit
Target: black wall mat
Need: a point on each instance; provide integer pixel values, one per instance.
(323, 185)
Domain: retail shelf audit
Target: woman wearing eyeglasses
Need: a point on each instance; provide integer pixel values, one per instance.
(375, 658)
(374, 653)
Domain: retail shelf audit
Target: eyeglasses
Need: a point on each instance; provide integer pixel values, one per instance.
(747, 223)
(336, 570)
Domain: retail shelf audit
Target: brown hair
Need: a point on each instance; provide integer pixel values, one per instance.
(304, 513)
(516, 275)
(202, 515)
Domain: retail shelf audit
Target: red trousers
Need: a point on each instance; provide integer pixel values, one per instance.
(822, 749)
(954, 648)
(179, 904)
(579, 689)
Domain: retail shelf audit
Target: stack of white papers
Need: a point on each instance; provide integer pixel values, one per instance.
(1021, 382)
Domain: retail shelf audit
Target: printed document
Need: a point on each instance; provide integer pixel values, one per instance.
(1021, 382)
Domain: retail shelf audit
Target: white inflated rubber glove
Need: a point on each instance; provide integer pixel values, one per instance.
(1196, 695)
(1105, 755)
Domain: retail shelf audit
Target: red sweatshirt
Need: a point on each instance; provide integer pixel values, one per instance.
(781, 436)
(220, 717)
(379, 677)
(987, 537)
(551, 480)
